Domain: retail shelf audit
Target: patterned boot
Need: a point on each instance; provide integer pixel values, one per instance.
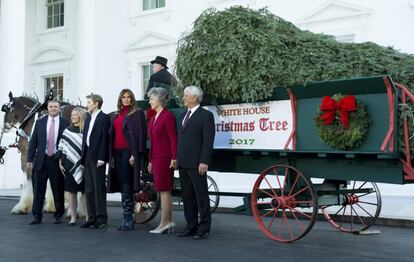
(128, 222)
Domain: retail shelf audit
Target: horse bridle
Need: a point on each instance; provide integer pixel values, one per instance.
(20, 132)
(5, 108)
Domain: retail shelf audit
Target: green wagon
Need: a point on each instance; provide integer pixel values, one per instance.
(306, 176)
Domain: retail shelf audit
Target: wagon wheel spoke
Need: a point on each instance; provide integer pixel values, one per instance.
(282, 221)
(339, 210)
(271, 188)
(365, 194)
(368, 203)
(262, 203)
(297, 193)
(343, 216)
(303, 214)
(287, 225)
(296, 218)
(352, 218)
(369, 214)
(359, 217)
(285, 179)
(278, 181)
(263, 191)
(267, 213)
(362, 185)
(273, 220)
(293, 185)
(301, 202)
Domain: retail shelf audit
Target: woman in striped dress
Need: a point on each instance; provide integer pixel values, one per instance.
(70, 149)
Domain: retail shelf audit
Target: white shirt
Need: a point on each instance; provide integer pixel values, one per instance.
(49, 122)
(192, 112)
(91, 124)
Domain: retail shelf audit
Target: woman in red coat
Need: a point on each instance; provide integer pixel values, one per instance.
(163, 154)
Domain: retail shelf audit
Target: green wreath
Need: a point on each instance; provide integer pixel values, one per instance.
(337, 135)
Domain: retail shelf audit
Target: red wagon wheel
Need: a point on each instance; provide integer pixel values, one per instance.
(284, 203)
(360, 208)
(147, 201)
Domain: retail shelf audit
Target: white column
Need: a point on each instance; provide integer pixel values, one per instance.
(12, 51)
(85, 58)
(12, 47)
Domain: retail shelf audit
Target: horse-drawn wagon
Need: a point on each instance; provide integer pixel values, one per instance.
(319, 149)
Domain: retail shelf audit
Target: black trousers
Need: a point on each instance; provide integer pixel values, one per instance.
(124, 171)
(95, 190)
(50, 170)
(196, 201)
(125, 179)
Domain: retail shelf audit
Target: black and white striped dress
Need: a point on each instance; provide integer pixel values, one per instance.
(70, 149)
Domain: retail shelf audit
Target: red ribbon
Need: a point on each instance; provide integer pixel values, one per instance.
(344, 106)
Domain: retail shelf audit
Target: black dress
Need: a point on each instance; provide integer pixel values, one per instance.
(70, 149)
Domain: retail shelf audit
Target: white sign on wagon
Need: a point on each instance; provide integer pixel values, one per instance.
(265, 125)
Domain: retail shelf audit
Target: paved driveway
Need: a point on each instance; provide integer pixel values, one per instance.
(233, 238)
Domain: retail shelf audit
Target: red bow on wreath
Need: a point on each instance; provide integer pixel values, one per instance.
(330, 106)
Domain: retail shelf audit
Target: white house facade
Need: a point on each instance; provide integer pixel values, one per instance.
(84, 46)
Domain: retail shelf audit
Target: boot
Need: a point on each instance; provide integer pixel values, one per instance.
(122, 225)
(128, 222)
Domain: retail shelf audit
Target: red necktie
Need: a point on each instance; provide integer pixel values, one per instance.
(187, 116)
(51, 139)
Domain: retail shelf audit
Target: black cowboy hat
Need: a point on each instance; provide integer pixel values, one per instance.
(160, 60)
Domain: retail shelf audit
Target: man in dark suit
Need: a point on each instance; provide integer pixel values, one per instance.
(195, 146)
(44, 161)
(94, 156)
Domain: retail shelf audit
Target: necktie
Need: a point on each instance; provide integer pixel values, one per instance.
(51, 139)
(187, 116)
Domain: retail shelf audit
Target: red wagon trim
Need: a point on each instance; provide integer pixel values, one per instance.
(292, 137)
(389, 138)
(408, 169)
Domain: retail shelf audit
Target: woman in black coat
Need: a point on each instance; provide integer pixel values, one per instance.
(127, 136)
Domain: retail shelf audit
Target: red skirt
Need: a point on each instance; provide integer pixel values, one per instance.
(163, 175)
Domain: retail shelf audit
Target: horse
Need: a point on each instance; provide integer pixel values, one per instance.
(21, 113)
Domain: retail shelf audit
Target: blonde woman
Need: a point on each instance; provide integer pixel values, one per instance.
(70, 149)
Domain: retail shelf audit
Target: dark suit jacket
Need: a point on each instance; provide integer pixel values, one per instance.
(195, 142)
(134, 129)
(37, 145)
(98, 141)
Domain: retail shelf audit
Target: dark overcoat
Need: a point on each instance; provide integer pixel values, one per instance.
(98, 140)
(162, 78)
(134, 129)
